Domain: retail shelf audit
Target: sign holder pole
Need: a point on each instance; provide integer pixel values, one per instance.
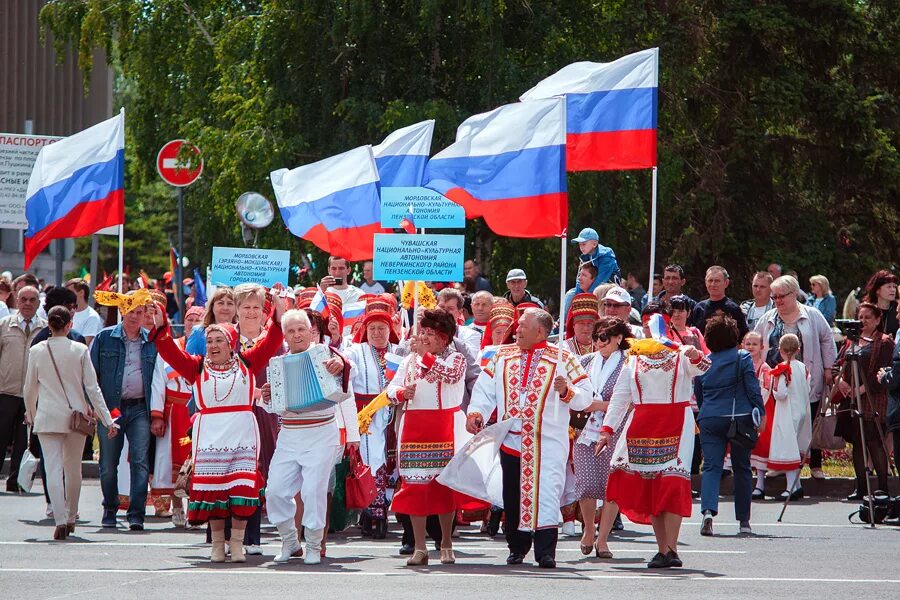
(652, 234)
(121, 263)
(563, 238)
(178, 275)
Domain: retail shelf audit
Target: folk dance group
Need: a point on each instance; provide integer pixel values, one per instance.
(485, 417)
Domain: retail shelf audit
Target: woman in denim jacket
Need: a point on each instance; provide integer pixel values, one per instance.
(729, 390)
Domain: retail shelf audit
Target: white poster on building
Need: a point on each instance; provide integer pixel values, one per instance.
(17, 155)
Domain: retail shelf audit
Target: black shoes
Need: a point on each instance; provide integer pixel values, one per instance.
(136, 526)
(617, 524)
(706, 529)
(380, 530)
(757, 494)
(856, 496)
(659, 561)
(674, 559)
(795, 495)
(407, 549)
(515, 559)
(547, 562)
(365, 524)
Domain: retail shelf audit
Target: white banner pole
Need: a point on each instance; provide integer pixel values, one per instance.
(652, 234)
(121, 261)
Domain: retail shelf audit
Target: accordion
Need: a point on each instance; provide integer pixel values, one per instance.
(301, 382)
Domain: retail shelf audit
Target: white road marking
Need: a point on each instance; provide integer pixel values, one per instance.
(302, 572)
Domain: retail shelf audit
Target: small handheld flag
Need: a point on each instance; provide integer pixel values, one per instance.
(408, 223)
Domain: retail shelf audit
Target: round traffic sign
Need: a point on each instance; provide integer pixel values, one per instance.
(175, 171)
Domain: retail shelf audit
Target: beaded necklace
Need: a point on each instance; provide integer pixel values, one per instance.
(224, 371)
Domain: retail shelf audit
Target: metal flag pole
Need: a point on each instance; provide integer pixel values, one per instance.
(652, 233)
(562, 317)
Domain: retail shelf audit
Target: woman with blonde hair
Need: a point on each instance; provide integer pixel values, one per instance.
(821, 298)
(221, 310)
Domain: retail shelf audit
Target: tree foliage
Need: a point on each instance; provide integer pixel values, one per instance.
(777, 128)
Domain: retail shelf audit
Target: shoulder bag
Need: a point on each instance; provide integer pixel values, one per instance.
(825, 426)
(739, 433)
(359, 485)
(81, 422)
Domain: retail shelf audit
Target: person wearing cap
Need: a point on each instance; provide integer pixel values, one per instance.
(532, 433)
(516, 283)
(617, 303)
(226, 481)
(170, 421)
(375, 345)
(602, 257)
(308, 445)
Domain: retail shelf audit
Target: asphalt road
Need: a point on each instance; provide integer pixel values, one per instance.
(815, 553)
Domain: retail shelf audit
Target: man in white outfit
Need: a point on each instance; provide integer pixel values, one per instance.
(305, 452)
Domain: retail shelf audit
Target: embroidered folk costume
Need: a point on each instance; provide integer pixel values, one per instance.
(788, 430)
(370, 377)
(226, 480)
(431, 429)
(651, 463)
(171, 405)
(307, 445)
(532, 437)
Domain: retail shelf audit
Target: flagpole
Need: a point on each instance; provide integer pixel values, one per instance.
(562, 317)
(652, 233)
(121, 261)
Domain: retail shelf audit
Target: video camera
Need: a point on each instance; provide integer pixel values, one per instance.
(851, 328)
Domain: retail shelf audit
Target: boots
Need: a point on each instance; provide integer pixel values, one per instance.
(236, 543)
(313, 546)
(217, 530)
(290, 545)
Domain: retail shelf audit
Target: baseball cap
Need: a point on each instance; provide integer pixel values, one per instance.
(586, 234)
(515, 274)
(619, 295)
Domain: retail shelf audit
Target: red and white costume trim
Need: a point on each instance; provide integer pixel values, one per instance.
(788, 430)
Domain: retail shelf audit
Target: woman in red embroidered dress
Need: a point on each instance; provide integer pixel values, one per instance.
(226, 480)
(431, 384)
(650, 478)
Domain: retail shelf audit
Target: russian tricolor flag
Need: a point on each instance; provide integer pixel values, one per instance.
(320, 304)
(333, 203)
(508, 166)
(401, 157)
(353, 312)
(77, 186)
(391, 365)
(610, 111)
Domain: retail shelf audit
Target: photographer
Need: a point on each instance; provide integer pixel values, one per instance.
(875, 349)
(817, 349)
(337, 281)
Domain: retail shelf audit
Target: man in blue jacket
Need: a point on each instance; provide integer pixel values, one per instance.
(124, 360)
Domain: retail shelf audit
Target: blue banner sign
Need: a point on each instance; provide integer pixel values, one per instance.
(430, 209)
(231, 266)
(419, 257)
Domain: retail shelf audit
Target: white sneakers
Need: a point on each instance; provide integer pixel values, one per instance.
(253, 550)
(571, 529)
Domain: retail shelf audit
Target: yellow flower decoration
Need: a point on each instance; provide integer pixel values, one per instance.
(648, 347)
(426, 295)
(124, 302)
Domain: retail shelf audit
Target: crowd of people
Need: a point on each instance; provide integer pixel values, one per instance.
(644, 390)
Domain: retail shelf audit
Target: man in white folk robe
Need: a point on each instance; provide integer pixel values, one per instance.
(533, 395)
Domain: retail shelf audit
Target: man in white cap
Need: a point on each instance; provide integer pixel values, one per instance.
(516, 283)
(617, 303)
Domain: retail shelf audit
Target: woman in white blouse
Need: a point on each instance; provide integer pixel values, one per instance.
(50, 363)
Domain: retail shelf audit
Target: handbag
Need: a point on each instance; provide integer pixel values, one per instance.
(359, 485)
(27, 468)
(79, 422)
(578, 419)
(739, 433)
(183, 480)
(823, 434)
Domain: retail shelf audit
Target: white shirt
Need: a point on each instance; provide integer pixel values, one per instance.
(4, 309)
(348, 295)
(87, 322)
(375, 288)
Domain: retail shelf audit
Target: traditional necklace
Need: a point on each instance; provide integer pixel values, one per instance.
(223, 371)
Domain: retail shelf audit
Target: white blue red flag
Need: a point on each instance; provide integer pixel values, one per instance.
(611, 111)
(401, 157)
(508, 166)
(391, 364)
(77, 186)
(408, 222)
(333, 203)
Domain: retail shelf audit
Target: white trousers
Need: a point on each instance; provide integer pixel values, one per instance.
(302, 462)
(62, 458)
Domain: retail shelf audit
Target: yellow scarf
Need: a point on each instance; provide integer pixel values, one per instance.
(124, 302)
(647, 347)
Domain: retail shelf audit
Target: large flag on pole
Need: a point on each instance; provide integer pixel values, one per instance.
(508, 166)
(401, 157)
(77, 186)
(610, 111)
(333, 203)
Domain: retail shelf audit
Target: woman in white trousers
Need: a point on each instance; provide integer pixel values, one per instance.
(50, 363)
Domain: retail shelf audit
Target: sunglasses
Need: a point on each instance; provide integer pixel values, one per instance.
(602, 337)
(781, 296)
